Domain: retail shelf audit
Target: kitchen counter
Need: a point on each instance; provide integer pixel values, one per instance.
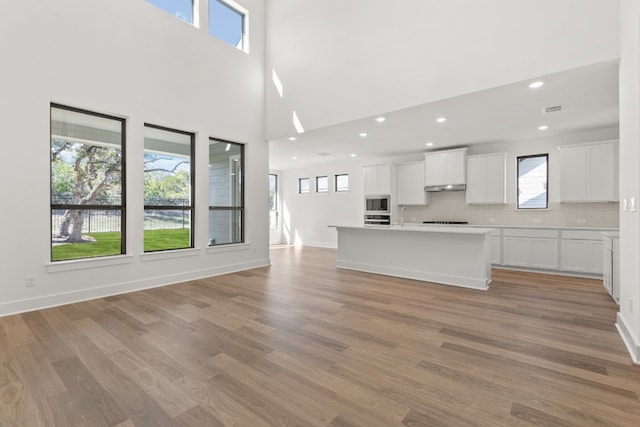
(458, 256)
(547, 227)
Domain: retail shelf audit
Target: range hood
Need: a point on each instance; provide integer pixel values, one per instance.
(457, 187)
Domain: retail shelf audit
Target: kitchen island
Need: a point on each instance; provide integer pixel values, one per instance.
(451, 255)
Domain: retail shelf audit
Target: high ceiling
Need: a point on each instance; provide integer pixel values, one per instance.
(588, 97)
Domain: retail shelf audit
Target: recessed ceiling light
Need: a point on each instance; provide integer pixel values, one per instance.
(380, 119)
(292, 138)
(429, 144)
(543, 127)
(536, 85)
(363, 134)
(441, 119)
(352, 155)
(294, 157)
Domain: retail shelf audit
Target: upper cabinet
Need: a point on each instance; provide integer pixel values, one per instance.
(589, 172)
(378, 179)
(411, 184)
(445, 167)
(486, 179)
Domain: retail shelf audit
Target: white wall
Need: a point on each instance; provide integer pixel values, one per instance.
(343, 60)
(130, 59)
(306, 217)
(629, 316)
(309, 214)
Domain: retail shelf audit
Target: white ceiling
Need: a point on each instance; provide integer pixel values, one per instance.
(588, 96)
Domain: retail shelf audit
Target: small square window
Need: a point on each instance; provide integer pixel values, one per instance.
(182, 9)
(322, 184)
(342, 182)
(532, 182)
(303, 185)
(228, 22)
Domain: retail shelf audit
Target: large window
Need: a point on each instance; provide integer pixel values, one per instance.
(228, 22)
(168, 188)
(532, 182)
(182, 9)
(226, 192)
(87, 184)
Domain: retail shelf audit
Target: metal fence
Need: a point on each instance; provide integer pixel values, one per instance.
(96, 221)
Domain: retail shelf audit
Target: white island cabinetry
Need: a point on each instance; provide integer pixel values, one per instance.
(459, 256)
(411, 184)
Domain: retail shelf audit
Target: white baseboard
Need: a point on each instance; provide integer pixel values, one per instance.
(460, 281)
(633, 346)
(326, 245)
(54, 300)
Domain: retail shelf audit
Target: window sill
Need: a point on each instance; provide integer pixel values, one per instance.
(79, 264)
(229, 248)
(177, 253)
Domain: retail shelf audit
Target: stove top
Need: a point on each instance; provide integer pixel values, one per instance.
(446, 222)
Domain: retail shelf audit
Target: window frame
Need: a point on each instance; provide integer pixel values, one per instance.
(300, 186)
(336, 182)
(318, 190)
(518, 159)
(241, 208)
(122, 207)
(192, 180)
(240, 10)
(193, 12)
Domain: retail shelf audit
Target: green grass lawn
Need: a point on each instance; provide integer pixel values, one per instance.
(109, 244)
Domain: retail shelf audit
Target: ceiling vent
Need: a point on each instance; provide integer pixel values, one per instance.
(324, 154)
(553, 109)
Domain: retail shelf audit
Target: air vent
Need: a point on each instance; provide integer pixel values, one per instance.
(323, 154)
(554, 109)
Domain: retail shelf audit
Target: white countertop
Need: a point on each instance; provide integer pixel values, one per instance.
(547, 227)
(458, 229)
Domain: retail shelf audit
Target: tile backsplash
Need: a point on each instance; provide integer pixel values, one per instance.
(452, 206)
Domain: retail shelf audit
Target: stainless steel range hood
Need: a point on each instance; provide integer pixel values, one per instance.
(457, 187)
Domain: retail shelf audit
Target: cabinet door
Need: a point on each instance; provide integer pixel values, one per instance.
(544, 253)
(411, 184)
(384, 179)
(517, 251)
(496, 250)
(575, 255)
(454, 171)
(371, 180)
(602, 173)
(477, 175)
(496, 179)
(596, 257)
(434, 169)
(574, 174)
(404, 185)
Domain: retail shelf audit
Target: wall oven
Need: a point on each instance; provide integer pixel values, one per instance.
(374, 205)
(379, 220)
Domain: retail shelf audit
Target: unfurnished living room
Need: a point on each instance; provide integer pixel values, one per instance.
(335, 213)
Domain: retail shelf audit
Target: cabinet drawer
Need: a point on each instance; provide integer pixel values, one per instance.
(530, 232)
(582, 234)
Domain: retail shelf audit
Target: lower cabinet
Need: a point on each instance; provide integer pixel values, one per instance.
(530, 248)
(582, 251)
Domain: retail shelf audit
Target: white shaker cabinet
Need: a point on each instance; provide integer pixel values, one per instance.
(378, 179)
(486, 179)
(589, 172)
(530, 248)
(411, 184)
(445, 167)
(581, 251)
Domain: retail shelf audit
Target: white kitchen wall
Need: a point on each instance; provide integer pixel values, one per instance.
(130, 59)
(629, 316)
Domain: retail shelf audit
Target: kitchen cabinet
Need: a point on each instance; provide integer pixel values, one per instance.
(378, 179)
(445, 167)
(530, 248)
(589, 172)
(611, 265)
(486, 179)
(411, 184)
(581, 251)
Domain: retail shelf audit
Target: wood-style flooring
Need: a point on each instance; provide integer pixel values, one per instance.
(301, 343)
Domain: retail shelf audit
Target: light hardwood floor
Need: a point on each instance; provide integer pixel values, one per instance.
(302, 343)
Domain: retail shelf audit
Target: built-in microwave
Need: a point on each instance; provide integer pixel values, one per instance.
(377, 204)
